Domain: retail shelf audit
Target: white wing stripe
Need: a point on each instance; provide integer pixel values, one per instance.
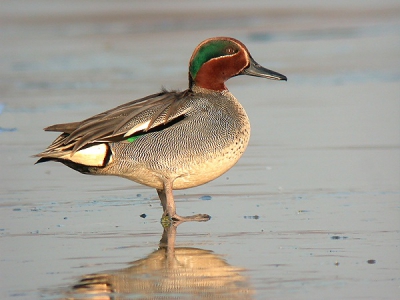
(139, 127)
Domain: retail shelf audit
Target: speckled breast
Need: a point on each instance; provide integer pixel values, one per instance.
(198, 149)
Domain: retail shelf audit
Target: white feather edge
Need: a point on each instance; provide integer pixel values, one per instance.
(137, 128)
(92, 156)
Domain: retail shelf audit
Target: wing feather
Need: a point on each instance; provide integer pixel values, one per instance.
(117, 124)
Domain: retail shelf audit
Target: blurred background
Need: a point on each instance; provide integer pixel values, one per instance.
(310, 211)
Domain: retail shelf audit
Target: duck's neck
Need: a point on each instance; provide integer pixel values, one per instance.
(199, 89)
(207, 81)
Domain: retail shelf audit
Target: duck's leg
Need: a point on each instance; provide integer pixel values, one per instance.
(163, 200)
(167, 200)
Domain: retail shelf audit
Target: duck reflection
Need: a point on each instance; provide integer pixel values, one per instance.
(168, 273)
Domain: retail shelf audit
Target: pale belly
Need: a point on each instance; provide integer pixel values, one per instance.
(189, 175)
(190, 153)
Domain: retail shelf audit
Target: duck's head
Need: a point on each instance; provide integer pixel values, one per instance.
(217, 59)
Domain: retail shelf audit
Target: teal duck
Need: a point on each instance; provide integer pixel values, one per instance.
(173, 139)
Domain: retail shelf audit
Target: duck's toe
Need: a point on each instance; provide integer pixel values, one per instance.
(197, 218)
(177, 219)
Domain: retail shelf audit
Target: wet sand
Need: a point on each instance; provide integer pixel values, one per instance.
(312, 209)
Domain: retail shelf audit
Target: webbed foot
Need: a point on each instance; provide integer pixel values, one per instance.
(176, 219)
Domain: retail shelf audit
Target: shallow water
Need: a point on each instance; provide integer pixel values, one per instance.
(310, 211)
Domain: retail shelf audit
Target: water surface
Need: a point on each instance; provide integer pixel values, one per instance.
(310, 211)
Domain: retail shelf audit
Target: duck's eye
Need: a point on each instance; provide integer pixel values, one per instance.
(229, 50)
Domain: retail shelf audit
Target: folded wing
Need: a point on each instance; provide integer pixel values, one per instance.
(133, 118)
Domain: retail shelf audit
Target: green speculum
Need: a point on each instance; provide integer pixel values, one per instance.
(205, 53)
(133, 138)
